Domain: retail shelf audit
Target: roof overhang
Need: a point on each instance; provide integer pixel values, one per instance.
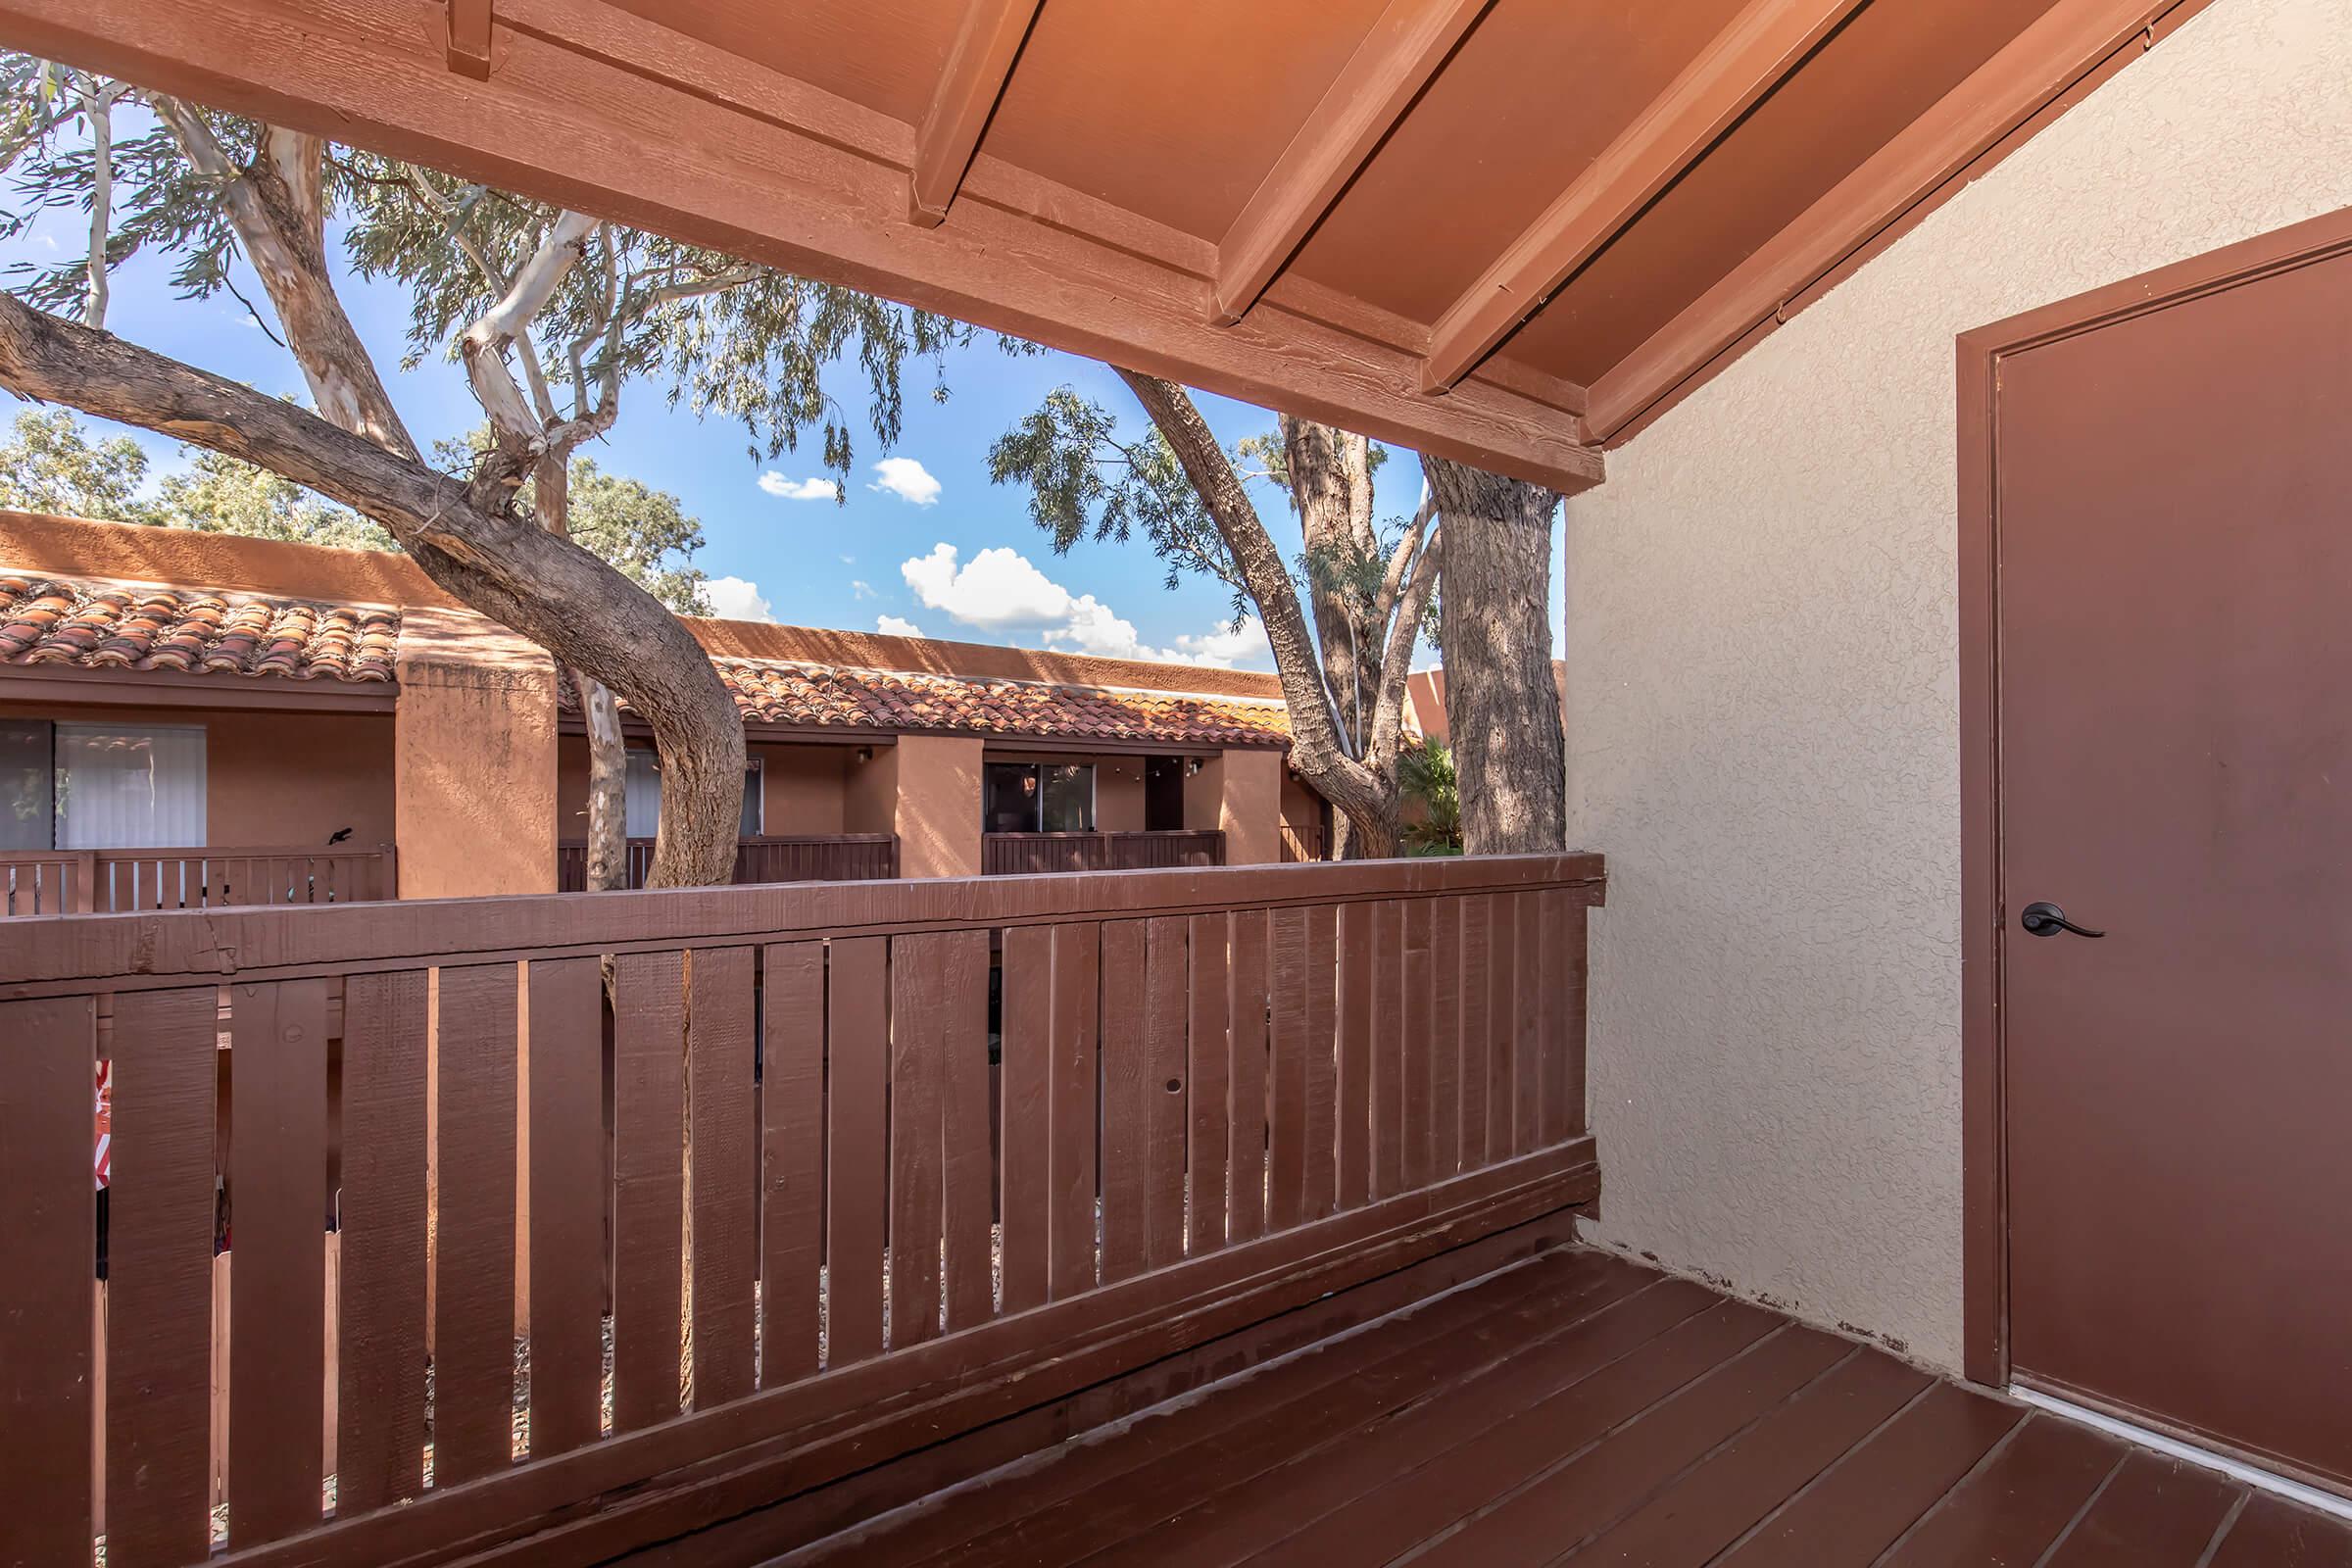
(1501, 230)
(67, 684)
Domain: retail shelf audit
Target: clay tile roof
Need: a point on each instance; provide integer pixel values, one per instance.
(820, 696)
(193, 630)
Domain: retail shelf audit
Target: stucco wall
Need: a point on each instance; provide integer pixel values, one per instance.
(1763, 732)
(473, 760)
(802, 789)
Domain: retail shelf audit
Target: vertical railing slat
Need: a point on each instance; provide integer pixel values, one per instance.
(47, 1286)
(1357, 962)
(1417, 1061)
(858, 1147)
(1502, 1013)
(1288, 994)
(277, 1292)
(1564, 930)
(917, 1138)
(1388, 1107)
(159, 1277)
(1444, 1048)
(792, 1100)
(473, 1267)
(380, 1437)
(1478, 1066)
(1208, 1041)
(1075, 1115)
(1322, 1062)
(649, 1184)
(967, 1167)
(1127, 1092)
(1026, 1114)
(1246, 1101)
(567, 1191)
(1530, 1062)
(1165, 979)
(726, 1220)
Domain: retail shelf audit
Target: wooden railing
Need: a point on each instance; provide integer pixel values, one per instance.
(117, 881)
(1301, 844)
(1021, 854)
(769, 858)
(1228, 1094)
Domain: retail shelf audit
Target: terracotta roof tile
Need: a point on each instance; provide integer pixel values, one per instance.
(824, 696)
(194, 630)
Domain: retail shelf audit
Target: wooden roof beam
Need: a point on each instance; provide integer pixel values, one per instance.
(1736, 69)
(978, 68)
(593, 107)
(2061, 51)
(1388, 71)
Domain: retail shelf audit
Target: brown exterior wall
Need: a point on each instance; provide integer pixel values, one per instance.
(1118, 794)
(937, 815)
(271, 779)
(1302, 811)
(474, 760)
(804, 788)
(1241, 792)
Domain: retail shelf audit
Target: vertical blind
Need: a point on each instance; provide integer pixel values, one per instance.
(123, 788)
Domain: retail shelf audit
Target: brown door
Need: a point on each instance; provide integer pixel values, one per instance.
(2172, 495)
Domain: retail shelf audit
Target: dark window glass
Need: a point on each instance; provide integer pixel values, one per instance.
(27, 785)
(1069, 791)
(1009, 799)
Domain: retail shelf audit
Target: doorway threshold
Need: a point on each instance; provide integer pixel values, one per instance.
(2255, 1476)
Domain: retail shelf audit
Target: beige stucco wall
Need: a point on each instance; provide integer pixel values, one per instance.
(1762, 729)
(1240, 790)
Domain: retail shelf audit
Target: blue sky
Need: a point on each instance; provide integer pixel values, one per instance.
(921, 540)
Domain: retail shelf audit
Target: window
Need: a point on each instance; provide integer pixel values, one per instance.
(101, 786)
(643, 791)
(1039, 798)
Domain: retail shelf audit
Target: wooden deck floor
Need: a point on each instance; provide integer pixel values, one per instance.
(1581, 1409)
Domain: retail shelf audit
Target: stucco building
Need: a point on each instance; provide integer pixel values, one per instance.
(171, 691)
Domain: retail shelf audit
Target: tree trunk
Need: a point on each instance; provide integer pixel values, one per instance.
(1502, 702)
(607, 751)
(545, 587)
(1331, 486)
(1366, 796)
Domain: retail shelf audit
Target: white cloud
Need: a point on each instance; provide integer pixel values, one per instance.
(863, 589)
(734, 599)
(908, 479)
(786, 489)
(1001, 591)
(892, 626)
(1231, 647)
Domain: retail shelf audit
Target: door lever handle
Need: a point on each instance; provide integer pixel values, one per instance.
(2042, 919)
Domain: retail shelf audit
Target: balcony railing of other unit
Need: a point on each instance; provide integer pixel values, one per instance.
(120, 881)
(768, 857)
(1019, 854)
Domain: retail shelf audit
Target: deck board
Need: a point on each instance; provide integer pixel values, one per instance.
(1579, 1408)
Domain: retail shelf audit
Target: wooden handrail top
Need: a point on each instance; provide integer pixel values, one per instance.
(55, 954)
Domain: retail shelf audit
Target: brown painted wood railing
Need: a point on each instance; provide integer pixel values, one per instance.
(1024, 854)
(1228, 1095)
(769, 858)
(117, 881)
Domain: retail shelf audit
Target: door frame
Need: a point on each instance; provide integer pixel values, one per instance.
(1985, 1185)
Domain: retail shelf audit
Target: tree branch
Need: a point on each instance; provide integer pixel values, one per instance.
(1405, 630)
(505, 566)
(1315, 747)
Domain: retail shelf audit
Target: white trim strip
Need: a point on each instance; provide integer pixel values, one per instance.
(2235, 1469)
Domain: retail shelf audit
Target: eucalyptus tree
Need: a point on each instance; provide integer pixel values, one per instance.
(1503, 700)
(1344, 673)
(554, 315)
